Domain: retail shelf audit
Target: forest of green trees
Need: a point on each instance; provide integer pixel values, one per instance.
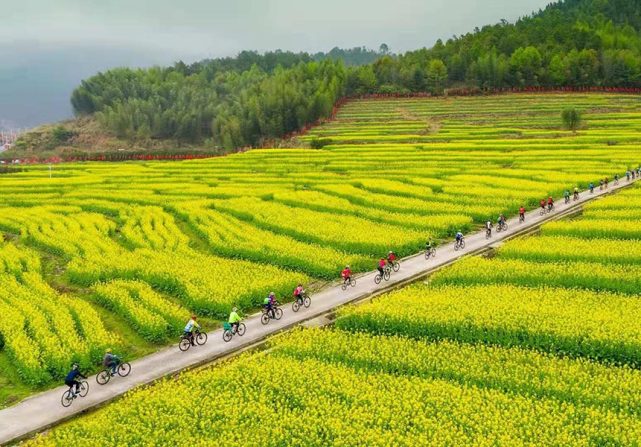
(246, 100)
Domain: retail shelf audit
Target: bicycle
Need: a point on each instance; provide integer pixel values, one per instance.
(302, 300)
(430, 253)
(349, 282)
(103, 377)
(229, 332)
(276, 313)
(69, 396)
(521, 218)
(200, 339)
(576, 196)
(501, 227)
(567, 200)
(550, 208)
(543, 210)
(385, 276)
(395, 266)
(488, 233)
(459, 245)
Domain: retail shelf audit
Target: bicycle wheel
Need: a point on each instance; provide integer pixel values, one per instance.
(504, 227)
(264, 318)
(427, 254)
(84, 388)
(344, 286)
(184, 344)
(278, 313)
(353, 283)
(307, 301)
(124, 369)
(462, 244)
(67, 398)
(103, 377)
(396, 266)
(295, 306)
(378, 278)
(457, 246)
(201, 338)
(387, 275)
(227, 335)
(241, 329)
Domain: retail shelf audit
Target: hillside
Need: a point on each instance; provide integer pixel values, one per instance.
(254, 100)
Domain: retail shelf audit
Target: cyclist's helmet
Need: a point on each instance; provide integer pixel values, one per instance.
(194, 317)
(347, 266)
(234, 309)
(74, 366)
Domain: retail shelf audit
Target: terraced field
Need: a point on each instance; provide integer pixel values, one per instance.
(472, 357)
(125, 252)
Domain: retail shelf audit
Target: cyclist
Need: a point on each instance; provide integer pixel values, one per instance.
(627, 175)
(428, 245)
(550, 203)
(191, 326)
(488, 228)
(616, 179)
(591, 188)
(607, 180)
(576, 193)
(501, 221)
(110, 361)
(566, 196)
(269, 303)
(391, 257)
(298, 293)
(542, 203)
(72, 379)
(522, 213)
(381, 266)
(346, 274)
(234, 319)
(600, 184)
(459, 237)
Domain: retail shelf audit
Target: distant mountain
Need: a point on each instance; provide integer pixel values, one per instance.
(254, 99)
(36, 82)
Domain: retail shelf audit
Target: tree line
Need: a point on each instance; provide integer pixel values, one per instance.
(241, 101)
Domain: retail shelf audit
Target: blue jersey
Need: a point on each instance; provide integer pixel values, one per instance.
(73, 375)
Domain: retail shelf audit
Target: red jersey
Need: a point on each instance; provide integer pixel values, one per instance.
(381, 263)
(346, 273)
(521, 210)
(298, 291)
(542, 202)
(391, 257)
(550, 201)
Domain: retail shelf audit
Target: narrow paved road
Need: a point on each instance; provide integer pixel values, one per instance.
(44, 410)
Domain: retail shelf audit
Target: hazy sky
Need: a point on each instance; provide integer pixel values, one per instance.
(199, 28)
(48, 46)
